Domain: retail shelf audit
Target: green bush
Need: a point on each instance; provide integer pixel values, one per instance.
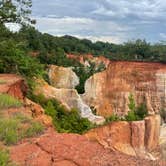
(63, 120)
(131, 105)
(131, 116)
(84, 72)
(72, 122)
(136, 113)
(141, 111)
(7, 101)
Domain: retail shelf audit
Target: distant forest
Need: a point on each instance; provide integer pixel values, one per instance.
(28, 51)
(138, 50)
(49, 49)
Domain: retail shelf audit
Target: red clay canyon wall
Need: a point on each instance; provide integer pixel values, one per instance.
(109, 90)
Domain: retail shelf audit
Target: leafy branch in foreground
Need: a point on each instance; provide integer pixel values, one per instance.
(15, 11)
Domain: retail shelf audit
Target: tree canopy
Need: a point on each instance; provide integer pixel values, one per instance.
(15, 11)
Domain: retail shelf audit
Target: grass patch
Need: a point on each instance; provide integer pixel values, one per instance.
(8, 131)
(7, 101)
(17, 128)
(36, 128)
(4, 158)
(2, 82)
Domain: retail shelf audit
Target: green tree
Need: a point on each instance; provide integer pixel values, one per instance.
(13, 59)
(131, 104)
(136, 113)
(15, 11)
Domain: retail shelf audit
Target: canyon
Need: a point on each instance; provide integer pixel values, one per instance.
(116, 143)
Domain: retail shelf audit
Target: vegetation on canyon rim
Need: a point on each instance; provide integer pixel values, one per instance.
(136, 113)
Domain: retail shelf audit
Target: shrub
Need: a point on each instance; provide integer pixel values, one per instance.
(85, 72)
(136, 113)
(163, 114)
(7, 101)
(141, 111)
(72, 122)
(131, 116)
(64, 120)
(131, 104)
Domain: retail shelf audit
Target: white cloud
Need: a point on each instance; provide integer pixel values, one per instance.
(104, 19)
(83, 28)
(103, 11)
(143, 9)
(110, 39)
(163, 35)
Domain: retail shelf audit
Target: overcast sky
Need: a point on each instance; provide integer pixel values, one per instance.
(106, 20)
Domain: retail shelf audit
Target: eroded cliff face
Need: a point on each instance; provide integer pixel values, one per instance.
(69, 97)
(162, 141)
(61, 77)
(109, 90)
(136, 138)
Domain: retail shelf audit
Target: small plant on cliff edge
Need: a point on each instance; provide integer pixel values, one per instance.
(112, 118)
(135, 113)
(132, 105)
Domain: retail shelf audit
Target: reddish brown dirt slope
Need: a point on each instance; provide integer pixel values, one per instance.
(70, 150)
(13, 85)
